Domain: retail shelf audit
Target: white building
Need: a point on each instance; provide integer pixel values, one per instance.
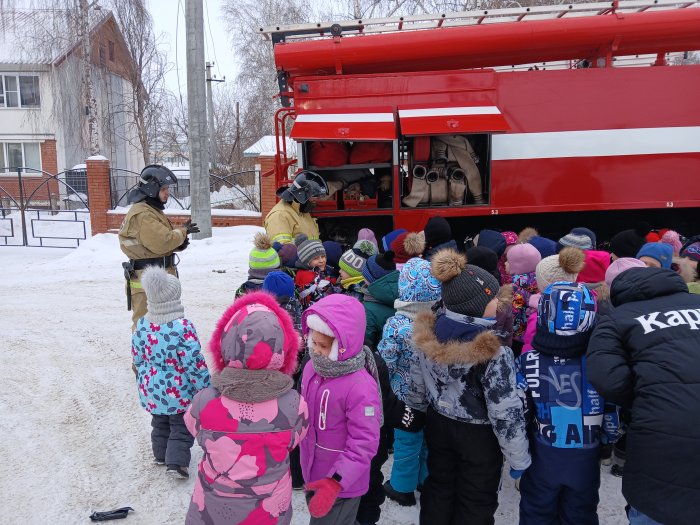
(43, 122)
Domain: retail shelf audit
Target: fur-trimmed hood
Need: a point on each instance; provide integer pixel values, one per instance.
(246, 354)
(480, 349)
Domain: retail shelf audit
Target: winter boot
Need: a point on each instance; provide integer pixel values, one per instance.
(405, 499)
(177, 472)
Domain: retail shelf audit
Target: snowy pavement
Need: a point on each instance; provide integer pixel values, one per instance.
(76, 439)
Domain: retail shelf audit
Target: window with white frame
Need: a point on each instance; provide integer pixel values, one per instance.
(19, 91)
(15, 155)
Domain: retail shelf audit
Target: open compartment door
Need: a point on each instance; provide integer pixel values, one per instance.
(376, 124)
(453, 120)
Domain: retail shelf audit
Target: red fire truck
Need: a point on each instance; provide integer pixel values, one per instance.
(552, 116)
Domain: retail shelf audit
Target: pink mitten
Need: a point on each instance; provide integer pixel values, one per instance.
(325, 492)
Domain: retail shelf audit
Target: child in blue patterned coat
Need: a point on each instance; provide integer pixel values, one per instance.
(418, 291)
(170, 369)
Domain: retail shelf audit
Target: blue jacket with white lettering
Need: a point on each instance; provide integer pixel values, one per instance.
(646, 356)
(567, 411)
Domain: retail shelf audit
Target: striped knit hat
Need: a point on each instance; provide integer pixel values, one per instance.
(263, 258)
(308, 249)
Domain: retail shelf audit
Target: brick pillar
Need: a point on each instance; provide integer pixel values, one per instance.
(98, 193)
(267, 186)
(50, 165)
(48, 156)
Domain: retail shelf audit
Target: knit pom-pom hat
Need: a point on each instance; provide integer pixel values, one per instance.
(162, 295)
(263, 258)
(354, 260)
(466, 289)
(408, 245)
(255, 333)
(565, 266)
(674, 239)
(365, 234)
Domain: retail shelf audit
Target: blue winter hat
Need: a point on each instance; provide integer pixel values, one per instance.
(545, 246)
(280, 284)
(389, 238)
(417, 283)
(566, 309)
(493, 240)
(379, 266)
(659, 251)
(333, 252)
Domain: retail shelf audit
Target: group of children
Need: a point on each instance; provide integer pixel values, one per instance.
(458, 359)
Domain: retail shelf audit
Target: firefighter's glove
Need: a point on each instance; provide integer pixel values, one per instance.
(325, 491)
(191, 227)
(116, 514)
(184, 245)
(411, 420)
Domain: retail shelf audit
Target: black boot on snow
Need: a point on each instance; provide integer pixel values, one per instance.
(405, 499)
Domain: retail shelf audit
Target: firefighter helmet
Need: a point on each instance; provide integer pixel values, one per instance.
(305, 185)
(153, 177)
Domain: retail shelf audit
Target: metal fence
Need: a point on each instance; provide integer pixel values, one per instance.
(38, 208)
(228, 191)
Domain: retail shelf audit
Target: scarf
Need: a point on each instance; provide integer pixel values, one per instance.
(251, 386)
(411, 309)
(327, 368)
(347, 283)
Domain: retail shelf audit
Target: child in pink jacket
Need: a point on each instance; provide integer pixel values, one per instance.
(249, 420)
(341, 386)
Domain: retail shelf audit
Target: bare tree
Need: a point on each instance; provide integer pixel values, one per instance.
(257, 80)
(146, 73)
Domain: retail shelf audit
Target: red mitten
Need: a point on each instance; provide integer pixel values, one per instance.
(325, 493)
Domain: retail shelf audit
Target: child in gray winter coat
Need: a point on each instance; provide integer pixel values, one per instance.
(466, 381)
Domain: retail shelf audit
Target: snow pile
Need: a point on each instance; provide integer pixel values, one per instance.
(76, 439)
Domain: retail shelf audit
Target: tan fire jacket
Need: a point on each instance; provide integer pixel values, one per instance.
(147, 233)
(285, 221)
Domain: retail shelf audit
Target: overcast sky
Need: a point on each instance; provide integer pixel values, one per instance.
(169, 19)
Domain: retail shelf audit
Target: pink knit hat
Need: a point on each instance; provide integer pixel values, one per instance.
(674, 239)
(620, 265)
(596, 264)
(523, 258)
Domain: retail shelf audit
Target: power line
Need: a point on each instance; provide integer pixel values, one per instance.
(211, 37)
(177, 37)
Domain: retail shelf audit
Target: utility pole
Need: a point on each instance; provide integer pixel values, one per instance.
(210, 113)
(197, 123)
(88, 93)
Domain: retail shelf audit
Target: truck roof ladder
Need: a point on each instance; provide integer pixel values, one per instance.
(464, 18)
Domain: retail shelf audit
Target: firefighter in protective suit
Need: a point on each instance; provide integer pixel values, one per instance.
(290, 216)
(147, 237)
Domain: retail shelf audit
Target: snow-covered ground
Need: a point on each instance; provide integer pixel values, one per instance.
(75, 437)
